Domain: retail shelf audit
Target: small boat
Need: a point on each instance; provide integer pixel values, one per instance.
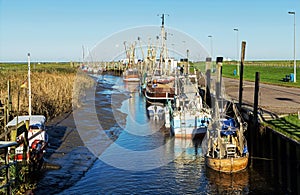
(156, 111)
(36, 135)
(131, 75)
(225, 146)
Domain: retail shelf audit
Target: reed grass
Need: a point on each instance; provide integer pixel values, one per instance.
(52, 90)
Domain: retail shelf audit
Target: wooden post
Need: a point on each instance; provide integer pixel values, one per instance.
(7, 107)
(9, 99)
(219, 77)
(256, 93)
(208, 77)
(242, 74)
(7, 174)
(255, 115)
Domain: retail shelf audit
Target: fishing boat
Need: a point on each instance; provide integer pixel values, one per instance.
(131, 75)
(190, 117)
(157, 91)
(160, 86)
(225, 146)
(36, 136)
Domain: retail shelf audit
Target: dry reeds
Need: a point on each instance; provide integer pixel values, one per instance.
(51, 91)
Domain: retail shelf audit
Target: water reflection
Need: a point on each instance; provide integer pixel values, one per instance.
(225, 183)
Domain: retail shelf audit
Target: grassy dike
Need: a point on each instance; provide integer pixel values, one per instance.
(288, 126)
(271, 72)
(52, 87)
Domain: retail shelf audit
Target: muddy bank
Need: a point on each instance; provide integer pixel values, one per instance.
(67, 155)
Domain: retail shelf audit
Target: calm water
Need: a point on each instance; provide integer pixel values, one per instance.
(157, 163)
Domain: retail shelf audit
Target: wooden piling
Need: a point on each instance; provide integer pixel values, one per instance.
(219, 77)
(207, 81)
(256, 93)
(242, 74)
(255, 115)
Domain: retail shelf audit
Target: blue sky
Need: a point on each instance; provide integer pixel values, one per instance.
(55, 30)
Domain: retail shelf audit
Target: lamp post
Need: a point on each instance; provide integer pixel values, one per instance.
(211, 46)
(237, 51)
(294, 13)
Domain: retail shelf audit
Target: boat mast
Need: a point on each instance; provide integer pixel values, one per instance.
(132, 52)
(163, 54)
(127, 54)
(82, 54)
(144, 59)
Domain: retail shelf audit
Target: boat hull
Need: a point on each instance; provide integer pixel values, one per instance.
(227, 165)
(131, 78)
(159, 93)
(189, 132)
(186, 124)
(131, 75)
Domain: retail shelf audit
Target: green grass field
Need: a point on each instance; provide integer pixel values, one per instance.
(271, 72)
(66, 67)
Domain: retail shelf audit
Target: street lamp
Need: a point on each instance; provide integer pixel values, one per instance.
(294, 13)
(237, 50)
(211, 46)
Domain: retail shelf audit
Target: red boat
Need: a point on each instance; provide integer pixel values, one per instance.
(36, 136)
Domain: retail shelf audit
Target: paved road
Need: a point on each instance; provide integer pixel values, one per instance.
(276, 99)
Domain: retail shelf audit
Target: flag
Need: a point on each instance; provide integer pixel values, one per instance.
(24, 84)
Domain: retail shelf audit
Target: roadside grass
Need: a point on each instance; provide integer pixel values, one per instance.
(271, 72)
(289, 126)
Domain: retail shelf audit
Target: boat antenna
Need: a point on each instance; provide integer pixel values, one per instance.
(82, 54)
(29, 87)
(162, 20)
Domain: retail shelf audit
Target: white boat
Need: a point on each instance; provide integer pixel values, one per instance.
(36, 135)
(190, 117)
(156, 111)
